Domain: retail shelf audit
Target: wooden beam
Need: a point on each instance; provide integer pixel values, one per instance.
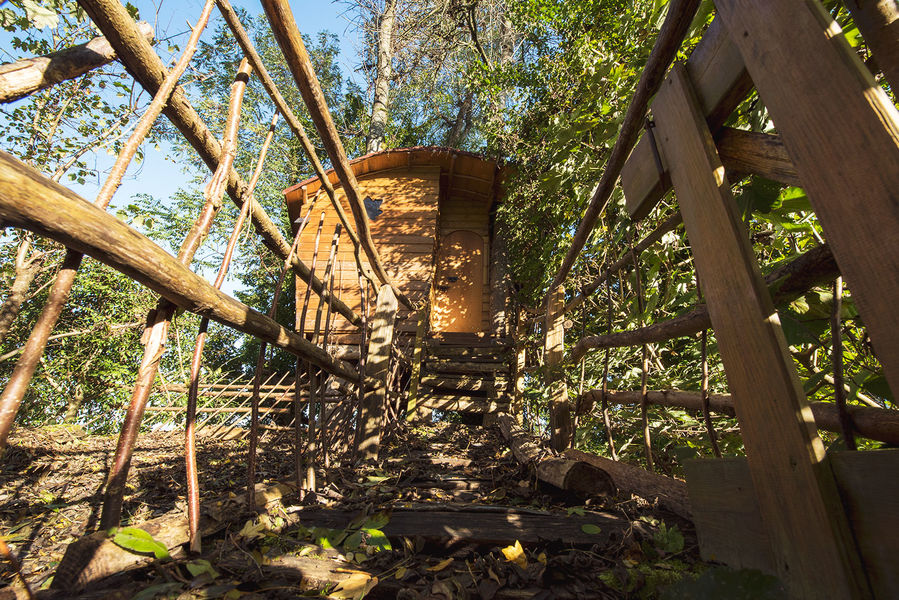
(553, 355)
(879, 424)
(481, 525)
(671, 35)
(29, 75)
(878, 20)
(800, 506)
(281, 19)
(374, 399)
(753, 153)
(63, 216)
(139, 58)
(721, 83)
(842, 132)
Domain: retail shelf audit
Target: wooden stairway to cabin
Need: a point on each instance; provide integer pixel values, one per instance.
(465, 372)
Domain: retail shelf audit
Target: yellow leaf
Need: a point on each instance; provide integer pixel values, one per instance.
(542, 558)
(401, 572)
(441, 565)
(354, 587)
(516, 555)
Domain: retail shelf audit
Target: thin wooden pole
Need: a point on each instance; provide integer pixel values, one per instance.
(21, 376)
(704, 385)
(675, 27)
(315, 380)
(158, 331)
(786, 283)
(260, 364)
(287, 34)
(190, 443)
(296, 126)
(837, 352)
(644, 369)
(326, 462)
(606, 419)
(113, 20)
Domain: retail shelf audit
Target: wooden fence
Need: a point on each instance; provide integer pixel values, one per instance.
(790, 508)
(355, 393)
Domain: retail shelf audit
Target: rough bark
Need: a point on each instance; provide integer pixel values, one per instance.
(563, 473)
(669, 492)
(383, 73)
(28, 265)
(879, 424)
(461, 125)
(30, 75)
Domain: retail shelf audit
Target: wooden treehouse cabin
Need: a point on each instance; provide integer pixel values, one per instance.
(431, 211)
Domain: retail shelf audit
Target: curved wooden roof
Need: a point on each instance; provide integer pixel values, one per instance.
(466, 172)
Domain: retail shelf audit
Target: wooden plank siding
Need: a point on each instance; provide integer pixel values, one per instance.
(406, 244)
(428, 192)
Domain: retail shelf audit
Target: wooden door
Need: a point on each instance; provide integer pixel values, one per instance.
(459, 286)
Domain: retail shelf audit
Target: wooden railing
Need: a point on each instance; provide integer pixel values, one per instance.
(88, 230)
(838, 138)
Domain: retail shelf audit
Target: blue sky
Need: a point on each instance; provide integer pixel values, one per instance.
(160, 177)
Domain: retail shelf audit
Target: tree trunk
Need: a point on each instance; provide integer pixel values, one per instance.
(27, 267)
(462, 124)
(375, 141)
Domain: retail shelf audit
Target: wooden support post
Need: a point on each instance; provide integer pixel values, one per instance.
(815, 554)
(412, 409)
(878, 20)
(375, 381)
(554, 350)
(842, 132)
(519, 361)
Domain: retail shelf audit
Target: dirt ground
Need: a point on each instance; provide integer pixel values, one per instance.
(51, 488)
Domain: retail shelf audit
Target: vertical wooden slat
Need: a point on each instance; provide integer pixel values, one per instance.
(842, 133)
(814, 551)
(554, 350)
(375, 381)
(412, 410)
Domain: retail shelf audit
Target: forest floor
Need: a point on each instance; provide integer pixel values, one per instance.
(448, 513)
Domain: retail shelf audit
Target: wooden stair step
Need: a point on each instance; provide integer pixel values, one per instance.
(458, 382)
(497, 353)
(470, 340)
(459, 403)
(454, 366)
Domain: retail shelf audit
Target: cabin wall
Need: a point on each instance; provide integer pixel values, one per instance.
(404, 233)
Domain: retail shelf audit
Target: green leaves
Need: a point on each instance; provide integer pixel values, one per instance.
(591, 529)
(139, 541)
(40, 16)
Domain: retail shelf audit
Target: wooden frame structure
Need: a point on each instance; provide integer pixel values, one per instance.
(803, 71)
(838, 137)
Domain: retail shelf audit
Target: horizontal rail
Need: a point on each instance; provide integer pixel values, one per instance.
(74, 222)
(878, 424)
(790, 281)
